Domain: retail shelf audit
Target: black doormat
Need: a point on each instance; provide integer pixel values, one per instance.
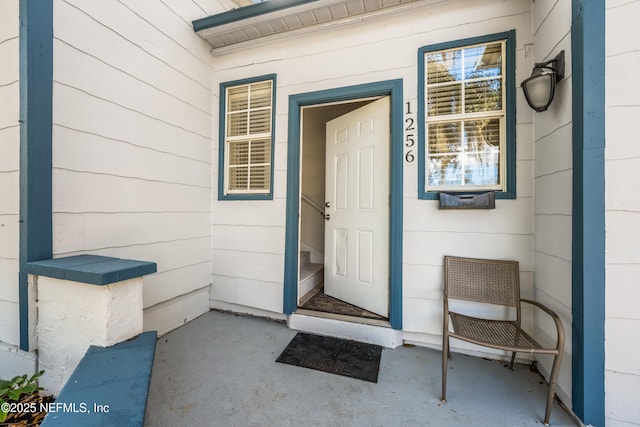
(336, 356)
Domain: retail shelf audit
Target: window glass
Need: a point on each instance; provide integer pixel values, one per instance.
(465, 118)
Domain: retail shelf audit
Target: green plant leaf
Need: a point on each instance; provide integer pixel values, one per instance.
(3, 413)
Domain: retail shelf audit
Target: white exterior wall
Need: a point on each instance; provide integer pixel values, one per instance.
(622, 172)
(131, 144)
(9, 172)
(252, 233)
(553, 184)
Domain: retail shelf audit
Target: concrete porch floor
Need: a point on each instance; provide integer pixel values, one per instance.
(220, 370)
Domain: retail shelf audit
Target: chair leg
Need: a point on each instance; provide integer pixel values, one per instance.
(513, 359)
(553, 379)
(445, 360)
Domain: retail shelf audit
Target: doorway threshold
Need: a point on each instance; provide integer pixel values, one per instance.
(370, 331)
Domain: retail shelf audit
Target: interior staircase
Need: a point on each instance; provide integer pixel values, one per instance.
(311, 274)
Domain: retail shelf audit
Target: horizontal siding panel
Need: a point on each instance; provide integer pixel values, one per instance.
(431, 247)
(250, 212)
(175, 27)
(554, 27)
(524, 185)
(509, 217)
(172, 255)
(553, 235)
(553, 276)
(176, 312)
(91, 192)
(9, 166)
(622, 348)
(623, 89)
(9, 22)
(93, 231)
(248, 238)
(554, 152)
(623, 184)
(119, 19)
(9, 279)
(553, 193)
(78, 70)
(164, 286)
(420, 315)
(10, 105)
(90, 115)
(264, 267)
(623, 245)
(524, 146)
(9, 193)
(9, 236)
(622, 407)
(422, 281)
(623, 41)
(196, 9)
(623, 292)
(88, 35)
(10, 149)
(248, 292)
(10, 54)
(622, 126)
(93, 153)
(9, 319)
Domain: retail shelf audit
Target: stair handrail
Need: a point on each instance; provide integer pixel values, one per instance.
(313, 204)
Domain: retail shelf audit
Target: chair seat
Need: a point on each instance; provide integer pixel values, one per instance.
(501, 334)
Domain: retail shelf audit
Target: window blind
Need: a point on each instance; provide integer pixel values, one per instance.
(248, 137)
(465, 117)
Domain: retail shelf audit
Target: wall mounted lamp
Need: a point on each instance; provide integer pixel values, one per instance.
(540, 87)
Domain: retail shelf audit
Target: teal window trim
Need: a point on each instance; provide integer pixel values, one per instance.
(510, 89)
(221, 139)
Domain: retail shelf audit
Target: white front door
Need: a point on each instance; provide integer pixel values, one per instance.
(357, 193)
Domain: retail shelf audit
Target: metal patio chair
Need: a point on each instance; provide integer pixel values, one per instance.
(493, 282)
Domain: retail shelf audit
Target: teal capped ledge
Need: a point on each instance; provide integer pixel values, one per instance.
(92, 269)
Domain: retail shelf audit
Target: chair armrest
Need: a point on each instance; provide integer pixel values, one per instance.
(554, 316)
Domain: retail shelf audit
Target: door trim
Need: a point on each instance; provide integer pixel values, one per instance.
(392, 88)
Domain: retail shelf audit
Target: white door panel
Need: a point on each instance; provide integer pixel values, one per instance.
(357, 190)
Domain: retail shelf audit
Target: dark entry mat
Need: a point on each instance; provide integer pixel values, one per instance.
(336, 356)
(325, 303)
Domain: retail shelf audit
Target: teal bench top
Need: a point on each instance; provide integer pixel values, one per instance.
(92, 269)
(109, 387)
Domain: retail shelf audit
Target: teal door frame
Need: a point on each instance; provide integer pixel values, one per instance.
(393, 88)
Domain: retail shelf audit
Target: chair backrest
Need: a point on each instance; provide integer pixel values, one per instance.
(482, 280)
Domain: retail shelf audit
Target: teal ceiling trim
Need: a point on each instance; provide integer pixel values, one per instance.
(394, 88)
(246, 12)
(588, 228)
(36, 91)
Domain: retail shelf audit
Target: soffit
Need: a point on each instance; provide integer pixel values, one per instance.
(263, 21)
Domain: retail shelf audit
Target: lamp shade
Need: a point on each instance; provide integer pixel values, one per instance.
(539, 88)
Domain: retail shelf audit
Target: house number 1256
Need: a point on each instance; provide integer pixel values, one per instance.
(409, 136)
